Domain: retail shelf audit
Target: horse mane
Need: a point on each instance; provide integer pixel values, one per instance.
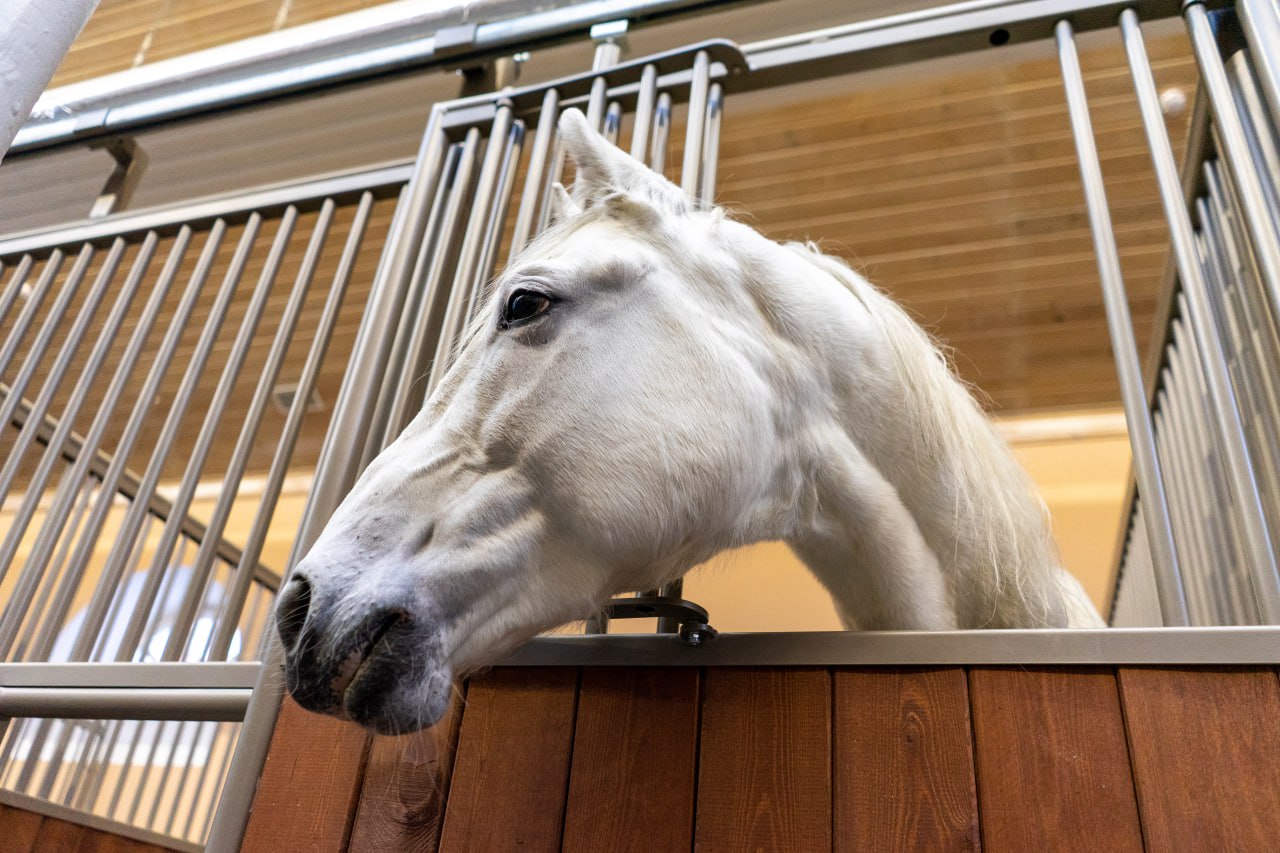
(998, 532)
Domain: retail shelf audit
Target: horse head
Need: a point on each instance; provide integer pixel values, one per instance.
(607, 423)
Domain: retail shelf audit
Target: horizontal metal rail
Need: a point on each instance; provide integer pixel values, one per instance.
(223, 705)
(1113, 646)
(383, 180)
(157, 506)
(179, 676)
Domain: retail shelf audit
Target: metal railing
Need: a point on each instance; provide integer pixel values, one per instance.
(1201, 547)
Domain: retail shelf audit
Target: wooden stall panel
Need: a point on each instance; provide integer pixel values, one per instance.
(310, 784)
(18, 829)
(1206, 756)
(903, 761)
(512, 768)
(1052, 762)
(405, 786)
(634, 754)
(764, 773)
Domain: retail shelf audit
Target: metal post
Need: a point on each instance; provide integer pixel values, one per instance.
(1234, 149)
(690, 173)
(337, 469)
(534, 194)
(1230, 432)
(642, 126)
(1260, 20)
(1159, 527)
(711, 146)
(661, 133)
(123, 547)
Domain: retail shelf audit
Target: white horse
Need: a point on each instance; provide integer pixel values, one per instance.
(647, 385)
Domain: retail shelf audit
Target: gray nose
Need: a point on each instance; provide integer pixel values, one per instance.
(291, 610)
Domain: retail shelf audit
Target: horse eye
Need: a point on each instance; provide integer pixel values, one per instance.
(524, 305)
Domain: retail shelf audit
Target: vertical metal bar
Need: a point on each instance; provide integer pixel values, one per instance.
(56, 516)
(690, 173)
(34, 299)
(20, 597)
(185, 618)
(123, 546)
(470, 260)
(39, 618)
(534, 193)
(1262, 559)
(512, 147)
(642, 126)
(711, 146)
(1167, 570)
(14, 289)
(337, 469)
(160, 363)
(1264, 145)
(1234, 149)
(454, 309)
(1260, 20)
(596, 104)
(405, 395)
(257, 535)
(198, 454)
(612, 123)
(220, 780)
(661, 134)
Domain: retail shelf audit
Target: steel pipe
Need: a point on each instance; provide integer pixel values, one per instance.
(1230, 432)
(105, 703)
(1260, 20)
(1159, 527)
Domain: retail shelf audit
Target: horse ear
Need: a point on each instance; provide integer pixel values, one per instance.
(603, 169)
(561, 206)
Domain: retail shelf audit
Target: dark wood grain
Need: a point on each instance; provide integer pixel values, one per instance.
(18, 828)
(635, 750)
(1206, 756)
(57, 836)
(310, 784)
(1052, 761)
(512, 768)
(405, 787)
(764, 773)
(903, 761)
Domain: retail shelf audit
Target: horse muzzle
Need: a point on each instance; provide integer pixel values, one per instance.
(374, 662)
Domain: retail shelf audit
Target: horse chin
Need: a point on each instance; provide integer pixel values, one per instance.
(383, 700)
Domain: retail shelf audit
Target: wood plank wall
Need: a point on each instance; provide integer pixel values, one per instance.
(877, 759)
(22, 831)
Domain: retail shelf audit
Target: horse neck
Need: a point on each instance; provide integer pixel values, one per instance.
(898, 402)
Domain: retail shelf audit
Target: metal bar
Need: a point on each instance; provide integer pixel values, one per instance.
(16, 282)
(53, 382)
(115, 469)
(270, 200)
(612, 122)
(437, 248)
(35, 353)
(690, 173)
(1234, 150)
(1113, 646)
(1260, 20)
(533, 195)
(454, 308)
(184, 620)
(198, 454)
(1264, 145)
(1262, 559)
(642, 125)
(711, 145)
(158, 736)
(257, 535)
(228, 750)
(596, 103)
(661, 133)
(470, 270)
(1133, 393)
(338, 467)
(123, 547)
(103, 703)
(513, 145)
(55, 517)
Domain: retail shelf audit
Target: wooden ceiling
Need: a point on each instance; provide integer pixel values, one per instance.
(953, 187)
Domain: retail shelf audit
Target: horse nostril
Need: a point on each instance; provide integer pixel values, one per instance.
(291, 610)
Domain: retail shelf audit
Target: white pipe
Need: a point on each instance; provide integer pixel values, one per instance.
(37, 36)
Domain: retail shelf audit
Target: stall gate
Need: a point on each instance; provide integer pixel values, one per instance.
(110, 319)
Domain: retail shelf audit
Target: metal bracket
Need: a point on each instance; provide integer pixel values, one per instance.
(692, 618)
(131, 162)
